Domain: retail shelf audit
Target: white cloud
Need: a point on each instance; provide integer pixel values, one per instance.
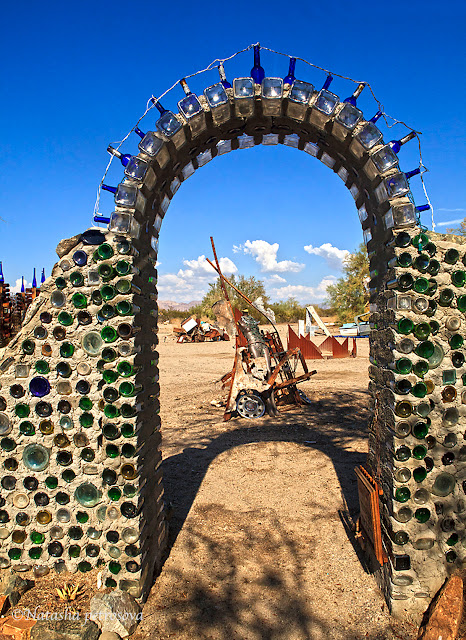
(450, 210)
(332, 255)
(265, 254)
(201, 268)
(304, 294)
(275, 279)
(191, 283)
(17, 286)
(444, 224)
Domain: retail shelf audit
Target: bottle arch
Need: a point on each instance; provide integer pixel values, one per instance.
(93, 443)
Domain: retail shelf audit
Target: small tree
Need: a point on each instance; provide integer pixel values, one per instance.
(348, 296)
(458, 231)
(251, 287)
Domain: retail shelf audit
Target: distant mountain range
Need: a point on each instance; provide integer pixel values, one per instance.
(177, 306)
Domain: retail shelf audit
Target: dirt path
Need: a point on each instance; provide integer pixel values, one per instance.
(260, 548)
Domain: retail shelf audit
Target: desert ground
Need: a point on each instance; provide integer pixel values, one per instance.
(260, 547)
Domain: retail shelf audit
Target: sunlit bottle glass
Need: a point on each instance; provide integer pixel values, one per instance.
(369, 136)
(301, 92)
(422, 331)
(216, 95)
(189, 105)
(384, 158)
(326, 102)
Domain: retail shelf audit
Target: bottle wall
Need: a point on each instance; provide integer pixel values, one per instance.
(419, 399)
(80, 431)
(101, 443)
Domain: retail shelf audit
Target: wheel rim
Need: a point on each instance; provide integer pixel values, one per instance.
(250, 405)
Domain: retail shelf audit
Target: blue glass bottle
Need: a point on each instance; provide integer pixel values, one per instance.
(2, 279)
(167, 123)
(352, 99)
(101, 219)
(423, 207)
(140, 133)
(290, 78)
(189, 105)
(378, 115)
(327, 83)
(34, 281)
(123, 158)
(105, 187)
(223, 78)
(414, 172)
(397, 144)
(257, 72)
(42, 278)
(22, 285)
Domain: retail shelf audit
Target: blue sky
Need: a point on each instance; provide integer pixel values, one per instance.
(77, 76)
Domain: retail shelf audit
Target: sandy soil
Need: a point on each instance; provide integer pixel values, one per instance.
(260, 548)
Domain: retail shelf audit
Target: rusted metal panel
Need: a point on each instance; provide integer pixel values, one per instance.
(369, 519)
(308, 349)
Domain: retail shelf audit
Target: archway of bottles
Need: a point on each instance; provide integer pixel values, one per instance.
(79, 427)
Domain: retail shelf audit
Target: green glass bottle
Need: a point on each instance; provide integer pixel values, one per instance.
(419, 390)
(419, 452)
(85, 403)
(405, 326)
(124, 286)
(42, 367)
(420, 474)
(420, 368)
(123, 267)
(128, 450)
(60, 282)
(109, 354)
(108, 292)
(86, 420)
(106, 271)
(79, 300)
(105, 251)
(402, 494)
(65, 318)
(111, 411)
(402, 239)
(421, 285)
(66, 349)
(422, 262)
(96, 298)
(430, 249)
(74, 551)
(27, 428)
(111, 431)
(109, 334)
(461, 303)
(420, 430)
(112, 451)
(458, 278)
(451, 256)
(446, 297)
(128, 411)
(127, 430)
(76, 279)
(403, 366)
(456, 341)
(114, 494)
(457, 359)
(420, 241)
(22, 410)
(110, 394)
(425, 349)
(422, 330)
(114, 567)
(107, 312)
(126, 369)
(110, 376)
(84, 566)
(433, 267)
(422, 514)
(124, 308)
(127, 389)
(28, 347)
